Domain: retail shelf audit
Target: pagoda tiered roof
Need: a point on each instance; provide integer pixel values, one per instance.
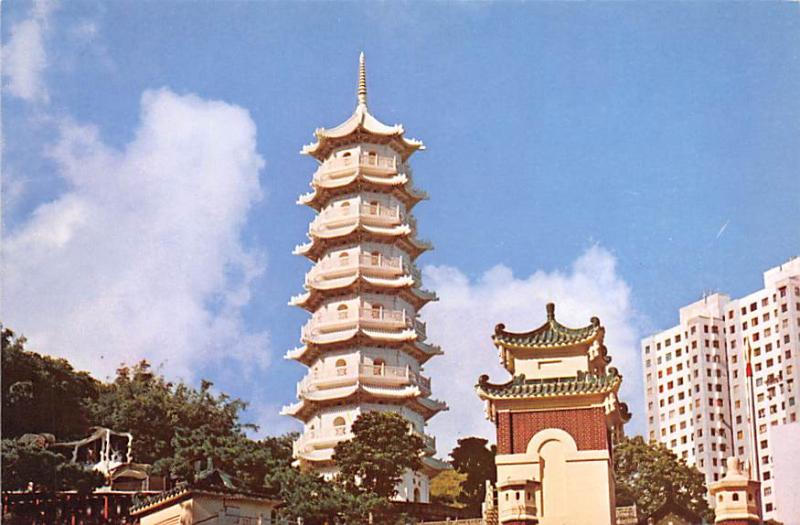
(419, 350)
(406, 287)
(410, 396)
(401, 236)
(551, 334)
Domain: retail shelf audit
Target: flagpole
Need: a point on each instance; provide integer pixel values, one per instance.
(751, 393)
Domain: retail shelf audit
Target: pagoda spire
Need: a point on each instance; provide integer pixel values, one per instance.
(362, 81)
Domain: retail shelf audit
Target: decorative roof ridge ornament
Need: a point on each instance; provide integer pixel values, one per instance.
(362, 81)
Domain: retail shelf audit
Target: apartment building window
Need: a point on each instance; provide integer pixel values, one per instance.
(705, 328)
(732, 329)
(760, 397)
(678, 352)
(730, 314)
(735, 374)
(733, 343)
(647, 349)
(764, 301)
(678, 338)
(762, 412)
(753, 307)
(763, 443)
(764, 460)
(658, 346)
(668, 342)
(739, 422)
(715, 329)
(767, 491)
(770, 362)
(765, 317)
(679, 367)
(744, 325)
(700, 448)
(755, 337)
(670, 384)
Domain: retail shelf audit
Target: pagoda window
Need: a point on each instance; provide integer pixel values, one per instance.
(375, 258)
(373, 207)
(341, 367)
(378, 367)
(344, 259)
(338, 426)
(373, 158)
(342, 311)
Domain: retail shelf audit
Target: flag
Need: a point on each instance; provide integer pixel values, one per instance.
(748, 370)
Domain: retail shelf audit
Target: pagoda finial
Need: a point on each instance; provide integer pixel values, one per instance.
(362, 81)
(551, 311)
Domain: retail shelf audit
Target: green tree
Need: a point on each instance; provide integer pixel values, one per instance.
(165, 418)
(381, 450)
(42, 394)
(651, 473)
(24, 463)
(446, 487)
(475, 460)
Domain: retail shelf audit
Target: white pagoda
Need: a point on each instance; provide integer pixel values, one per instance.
(363, 345)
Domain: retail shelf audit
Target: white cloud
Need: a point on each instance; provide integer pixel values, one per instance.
(141, 256)
(463, 320)
(24, 56)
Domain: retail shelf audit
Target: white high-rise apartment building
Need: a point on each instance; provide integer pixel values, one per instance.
(696, 387)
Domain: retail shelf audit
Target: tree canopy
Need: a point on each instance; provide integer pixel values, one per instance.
(473, 458)
(651, 474)
(42, 394)
(446, 487)
(381, 450)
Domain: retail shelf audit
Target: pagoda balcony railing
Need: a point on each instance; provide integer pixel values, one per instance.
(364, 317)
(518, 510)
(428, 442)
(319, 438)
(370, 214)
(380, 374)
(337, 167)
(369, 264)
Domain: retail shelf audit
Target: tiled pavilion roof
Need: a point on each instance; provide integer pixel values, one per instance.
(551, 334)
(519, 387)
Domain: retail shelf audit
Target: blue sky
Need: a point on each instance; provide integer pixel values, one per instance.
(652, 146)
